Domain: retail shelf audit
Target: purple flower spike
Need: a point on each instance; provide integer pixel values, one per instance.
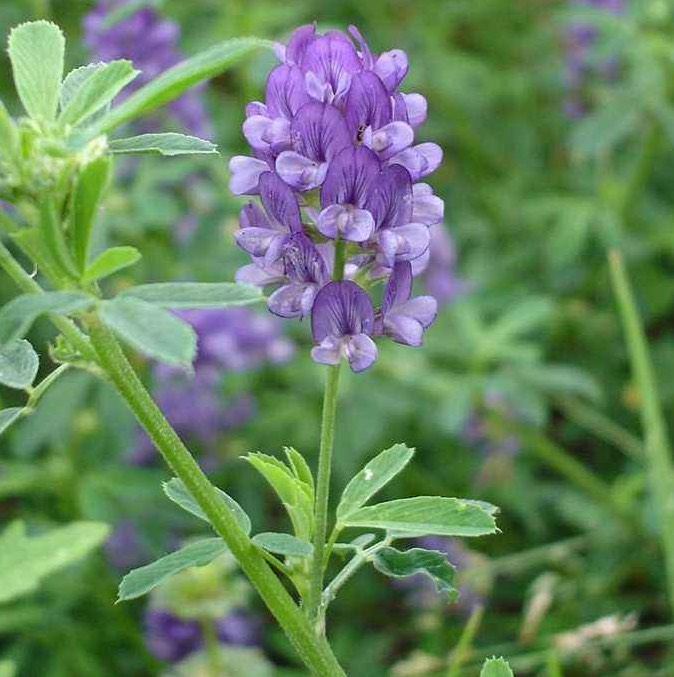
(335, 125)
(405, 319)
(342, 322)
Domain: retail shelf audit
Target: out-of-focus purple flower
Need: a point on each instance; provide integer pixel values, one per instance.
(151, 43)
(335, 129)
(230, 340)
(239, 628)
(172, 638)
(580, 67)
(439, 271)
(124, 548)
(169, 637)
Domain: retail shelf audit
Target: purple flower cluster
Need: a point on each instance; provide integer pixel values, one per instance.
(151, 43)
(231, 340)
(580, 39)
(172, 638)
(335, 165)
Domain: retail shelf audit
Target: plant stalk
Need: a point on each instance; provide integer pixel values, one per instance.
(658, 452)
(317, 568)
(314, 651)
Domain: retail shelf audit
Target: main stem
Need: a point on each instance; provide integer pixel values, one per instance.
(658, 452)
(313, 599)
(313, 650)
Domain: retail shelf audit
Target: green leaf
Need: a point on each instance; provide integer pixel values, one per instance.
(96, 90)
(173, 82)
(54, 237)
(111, 261)
(375, 475)
(36, 51)
(18, 365)
(401, 564)
(89, 189)
(179, 295)
(178, 493)
(496, 667)
(140, 581)
(9, 136)
(296, 495)
(283, 544)
(300, 467)
(427, 515)
(9, 416)
(25, 562)
(168, 144)
(19, 314)
(153, 331)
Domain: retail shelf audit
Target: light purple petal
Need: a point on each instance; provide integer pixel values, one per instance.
(246, 172)
(319, 131)
(404, 243)
(251, 216)
(367, 104)
(280, 202)
(419, 160)
(403, 329)
(328, 351)
(303, 261)
(391, 139)
(391, 201)
(285, 91)
(392, 67)
(423, 309)
(398, 286)
(426, 207)
(298, 42)
(292, 300)
(333, 60)
(255, 241)
(361, 352)
(257, 275)
(300, 172)
(351, 177)
(346, 221)
(417, 108)
(341, 309)
(365, 52)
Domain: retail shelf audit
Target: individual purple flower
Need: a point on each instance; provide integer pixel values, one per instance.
(172, 638)
(151, 43)
(580, 39)
(169, 637)
(403, 318)
(342, 323)
(336, 129)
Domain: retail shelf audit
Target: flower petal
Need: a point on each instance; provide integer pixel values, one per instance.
(360, 351)
(298, 42)
(398, 287)
(285, 92)
(333, 60)
(328, 351)
(319, 131)
(341, 309)
(246, 172)
(392, 67)
(300, 172)
(280, 202)
(426, 207)
(352, 224)
(391, 201)
(391, 139)
(419, 160)
(292, 300)
(367, 104)
(351, 177)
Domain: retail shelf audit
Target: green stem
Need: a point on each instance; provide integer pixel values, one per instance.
(313, 650)
(462, 650)
(317, 568)
(658, 453)
(28, 285)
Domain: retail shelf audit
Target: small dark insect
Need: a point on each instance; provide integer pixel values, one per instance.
(361, 131)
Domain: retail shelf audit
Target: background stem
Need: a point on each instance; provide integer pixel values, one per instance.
(658, 453)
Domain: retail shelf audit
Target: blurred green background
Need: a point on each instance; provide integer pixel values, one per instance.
(522, 395)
